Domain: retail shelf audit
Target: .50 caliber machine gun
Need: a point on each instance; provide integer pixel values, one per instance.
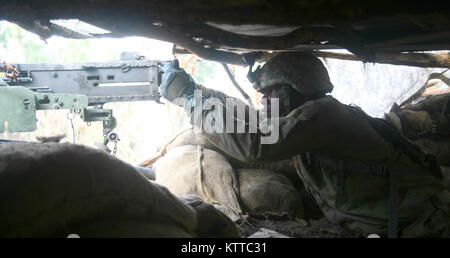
(82, 88)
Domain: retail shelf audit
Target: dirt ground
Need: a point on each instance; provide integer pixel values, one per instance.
(317, 228)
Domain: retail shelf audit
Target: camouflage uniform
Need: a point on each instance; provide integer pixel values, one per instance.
(360, 171)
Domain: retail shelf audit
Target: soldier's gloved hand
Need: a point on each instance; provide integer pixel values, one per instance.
(176, 84)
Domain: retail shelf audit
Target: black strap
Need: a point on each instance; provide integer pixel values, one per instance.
(393, 207)
(443, 113)
(340, 180)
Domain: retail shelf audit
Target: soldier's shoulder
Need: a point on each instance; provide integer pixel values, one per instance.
(322, 103)
(311, 108)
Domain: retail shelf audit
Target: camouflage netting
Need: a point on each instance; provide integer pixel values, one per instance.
(53, 190)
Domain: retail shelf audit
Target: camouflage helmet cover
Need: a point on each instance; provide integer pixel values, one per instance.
(302, 70)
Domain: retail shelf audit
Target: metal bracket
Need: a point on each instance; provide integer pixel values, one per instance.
(109, 124)
(18, 106)
(103, 115)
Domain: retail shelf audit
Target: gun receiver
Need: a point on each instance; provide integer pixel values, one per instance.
(102, 82)
(82, 88)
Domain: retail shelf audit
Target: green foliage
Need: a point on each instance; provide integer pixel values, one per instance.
(79, 51)
(34, 52)
(204, 70)
(5, 34)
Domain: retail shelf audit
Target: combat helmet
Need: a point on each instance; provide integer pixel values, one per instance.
(301, 70)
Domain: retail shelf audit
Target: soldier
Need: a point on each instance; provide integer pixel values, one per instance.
(361, 172)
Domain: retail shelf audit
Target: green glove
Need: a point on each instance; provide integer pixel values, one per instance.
(177, 84)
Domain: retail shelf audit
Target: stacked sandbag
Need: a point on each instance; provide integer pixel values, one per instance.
(427, 124)
(53, 190)
(211, 222)
(267, 193)
(190, 137)
(196, 170)
(185, 137)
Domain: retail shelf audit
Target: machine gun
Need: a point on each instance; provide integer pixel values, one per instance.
(82, 88)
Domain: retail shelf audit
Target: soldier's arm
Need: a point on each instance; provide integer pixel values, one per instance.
(211, 115)
(296, 133)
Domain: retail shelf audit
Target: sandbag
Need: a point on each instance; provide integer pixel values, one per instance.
(427, 123)
(185, 137)
(190, 137)
(53, 190)
(268, 193)
(212, 222)
(196, 170)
